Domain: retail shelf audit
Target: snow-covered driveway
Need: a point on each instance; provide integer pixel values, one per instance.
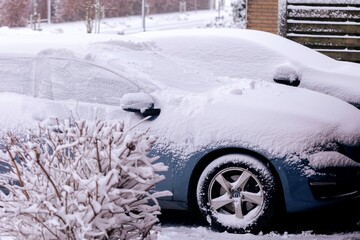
(331, 224)
(196, 233)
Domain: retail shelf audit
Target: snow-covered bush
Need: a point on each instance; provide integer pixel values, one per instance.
(239, 10)
(234, 17)
(80, 180)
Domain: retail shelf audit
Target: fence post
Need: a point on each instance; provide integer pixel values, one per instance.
(143, 13)
(49, 11)
(282, 18)
(182, 6)
(38, 22)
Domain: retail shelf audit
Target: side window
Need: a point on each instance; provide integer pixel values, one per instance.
(82, 81)
(16, 75)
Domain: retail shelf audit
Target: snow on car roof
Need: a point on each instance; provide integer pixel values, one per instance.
(231, 39)
(255, 54)
(138, 60)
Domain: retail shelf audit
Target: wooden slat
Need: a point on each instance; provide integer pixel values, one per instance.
(337, 29)
(340, 3)
(324, 14)
(327, 42)
(343, 56)
(330, 26)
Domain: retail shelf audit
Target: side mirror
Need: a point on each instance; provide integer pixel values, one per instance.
(286, 74)
(141, 103)
(286, 81)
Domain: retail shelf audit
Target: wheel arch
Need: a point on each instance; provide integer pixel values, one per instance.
(211, 156)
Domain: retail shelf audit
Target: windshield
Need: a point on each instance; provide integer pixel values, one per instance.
(63, 79)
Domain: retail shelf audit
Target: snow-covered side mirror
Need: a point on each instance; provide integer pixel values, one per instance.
(286, 74)
(141, 103)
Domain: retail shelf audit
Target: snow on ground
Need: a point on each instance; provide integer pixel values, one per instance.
(134, 24)
(196, 233)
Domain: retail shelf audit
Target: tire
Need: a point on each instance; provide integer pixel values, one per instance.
(236, 193)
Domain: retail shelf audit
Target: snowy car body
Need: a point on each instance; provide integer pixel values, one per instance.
(260, 55)
(236, 149)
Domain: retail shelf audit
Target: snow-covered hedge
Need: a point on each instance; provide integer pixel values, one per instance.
(76, 180)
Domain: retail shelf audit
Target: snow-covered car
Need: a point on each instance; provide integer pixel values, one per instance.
(241, 152)
(264, 56)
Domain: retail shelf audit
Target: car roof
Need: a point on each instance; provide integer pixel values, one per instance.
(242, 53)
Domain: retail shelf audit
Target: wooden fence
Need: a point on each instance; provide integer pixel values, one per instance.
(328, 26)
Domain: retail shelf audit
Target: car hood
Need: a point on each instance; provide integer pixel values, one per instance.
(341, 81)
(275, 120)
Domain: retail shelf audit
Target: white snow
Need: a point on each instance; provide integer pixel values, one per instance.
(323, 8)
(324, 159)
(325, 23)
(286, 71)
(322, 36)
(254, 54)
(196, 233)
(337, 50)
(196, 86)
(140, 101)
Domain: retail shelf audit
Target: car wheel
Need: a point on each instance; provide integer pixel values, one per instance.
(236, 193)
